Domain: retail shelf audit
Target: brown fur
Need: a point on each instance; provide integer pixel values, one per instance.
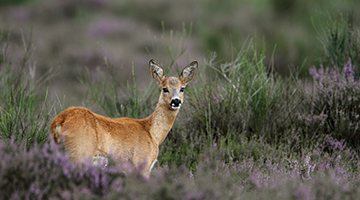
(88, 134)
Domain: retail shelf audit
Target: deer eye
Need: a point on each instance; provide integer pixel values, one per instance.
(165, 90)
(182, 89)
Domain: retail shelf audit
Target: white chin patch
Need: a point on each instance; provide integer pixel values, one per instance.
(175, 108)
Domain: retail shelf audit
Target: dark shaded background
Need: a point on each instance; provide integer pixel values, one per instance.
(70, 35)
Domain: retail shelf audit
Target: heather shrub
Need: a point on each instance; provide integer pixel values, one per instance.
(327, 185)
(45, 172)
(334, 104)
(234, 103)
(244, 97)
(23, 110)
(273, 174)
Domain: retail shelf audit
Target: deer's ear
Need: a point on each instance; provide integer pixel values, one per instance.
(156, 72)
(189, 72)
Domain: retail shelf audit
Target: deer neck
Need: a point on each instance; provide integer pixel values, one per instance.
(161, 122)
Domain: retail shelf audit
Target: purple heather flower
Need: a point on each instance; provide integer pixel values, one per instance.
(217, 100)
(348, 69)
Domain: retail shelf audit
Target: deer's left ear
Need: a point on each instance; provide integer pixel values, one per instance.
(189, 72)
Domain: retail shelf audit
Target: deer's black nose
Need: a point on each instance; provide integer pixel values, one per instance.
(175, 103)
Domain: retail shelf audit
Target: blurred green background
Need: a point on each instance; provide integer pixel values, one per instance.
(70, 35)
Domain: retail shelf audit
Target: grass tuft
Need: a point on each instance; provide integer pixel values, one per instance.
(24, 115)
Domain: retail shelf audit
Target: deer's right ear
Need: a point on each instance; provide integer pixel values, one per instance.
(156, 72)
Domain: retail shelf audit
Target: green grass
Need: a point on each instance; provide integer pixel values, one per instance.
(341, 40)
(24, 114)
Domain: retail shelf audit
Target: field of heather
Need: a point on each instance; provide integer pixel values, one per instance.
(273, 113)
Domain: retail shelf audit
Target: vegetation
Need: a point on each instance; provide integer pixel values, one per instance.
(243, 132)
(24, 113)
(341, 41)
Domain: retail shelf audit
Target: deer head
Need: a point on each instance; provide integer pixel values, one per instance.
(172, 94)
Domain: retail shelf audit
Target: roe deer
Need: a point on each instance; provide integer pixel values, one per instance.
(88, 135)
